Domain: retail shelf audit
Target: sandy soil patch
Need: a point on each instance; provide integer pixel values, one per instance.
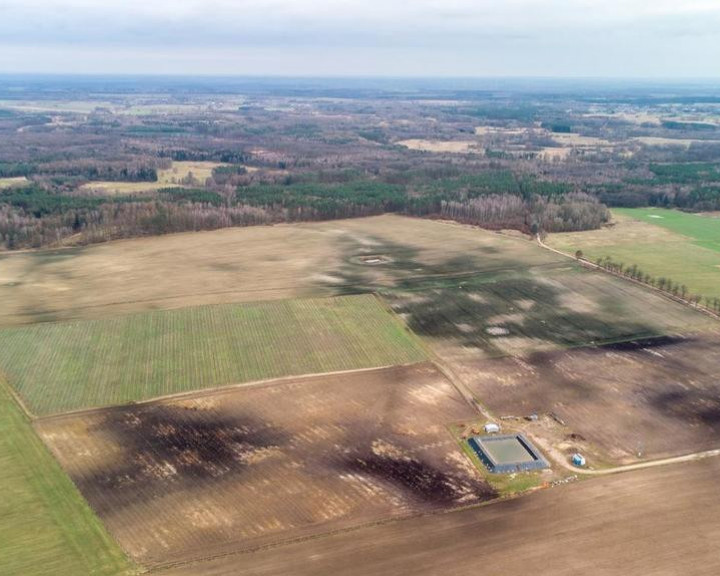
(496, 130)
(579, 141)
(555, 153)
(497, 331)
(658, 141)
(453, 147)
(577, 302)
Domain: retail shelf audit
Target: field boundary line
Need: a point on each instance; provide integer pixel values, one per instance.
(205, 392)
(16, 397)
(355, 290)
(592, 266)
(261, 302)
(445, 370)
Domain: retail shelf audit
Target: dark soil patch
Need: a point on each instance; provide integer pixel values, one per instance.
(643, 343)
(170, 447)
(418, 480)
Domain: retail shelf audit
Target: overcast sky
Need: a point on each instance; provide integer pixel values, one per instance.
(567, 38)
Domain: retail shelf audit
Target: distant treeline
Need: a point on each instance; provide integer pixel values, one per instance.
(696, 199)
(692, 126)
(688, 186)
(82, 170)
(51, 208)
(225, 156)
(35, 216)
(15, 169)
(571, 212)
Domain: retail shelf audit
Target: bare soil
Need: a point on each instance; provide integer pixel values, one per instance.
(450, 146)
(204, 475)
(621, 403)
(659, 522)
(243, 264)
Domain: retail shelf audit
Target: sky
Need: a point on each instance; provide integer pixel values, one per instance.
(473, 38)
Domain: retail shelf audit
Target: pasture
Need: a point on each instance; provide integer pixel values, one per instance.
(187, 171)
(57, 367)
(179, 174)
(238, 469)
(703, 229)
(683, 247)
(246, 264)
(47, 528)
(13, 182)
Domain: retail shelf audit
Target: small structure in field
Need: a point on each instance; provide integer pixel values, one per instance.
(578, 459)
(492, 428)
(374, 260)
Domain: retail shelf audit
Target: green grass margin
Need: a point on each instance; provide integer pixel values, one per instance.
(703, 230)
(46, 527)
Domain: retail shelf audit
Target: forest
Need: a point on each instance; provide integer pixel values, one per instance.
(101, 162)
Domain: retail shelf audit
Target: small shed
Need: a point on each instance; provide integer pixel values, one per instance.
(578, 459)
(492, 428)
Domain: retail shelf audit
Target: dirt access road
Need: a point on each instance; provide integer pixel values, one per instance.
(659, 521)
(643, 465)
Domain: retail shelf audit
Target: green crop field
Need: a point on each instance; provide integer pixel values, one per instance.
(46, 528)
(57, 367)
(703, 229)
(682, 247)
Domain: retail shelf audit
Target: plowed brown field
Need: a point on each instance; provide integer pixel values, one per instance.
(621, 403)
(656, 522)
(208, 474)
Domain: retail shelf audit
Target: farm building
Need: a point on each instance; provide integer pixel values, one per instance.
(507, 454)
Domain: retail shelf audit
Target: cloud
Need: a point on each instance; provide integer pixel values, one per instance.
(476, 33)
